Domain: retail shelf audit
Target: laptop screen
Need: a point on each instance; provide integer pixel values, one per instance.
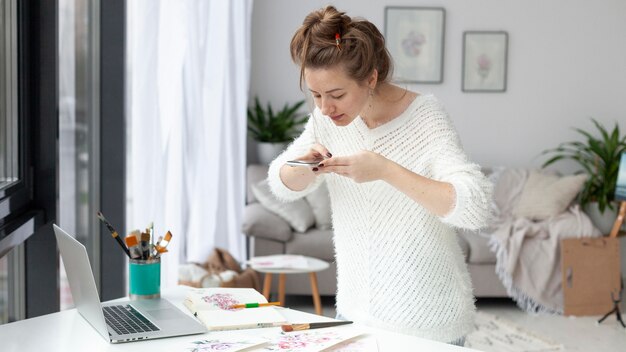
(81, 280)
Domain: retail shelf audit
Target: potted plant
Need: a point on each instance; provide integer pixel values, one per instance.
(273, 130)
(599, 158)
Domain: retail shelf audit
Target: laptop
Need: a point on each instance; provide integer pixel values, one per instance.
(122, 321)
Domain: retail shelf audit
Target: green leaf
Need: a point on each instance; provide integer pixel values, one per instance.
(598, 155)
(270, 125)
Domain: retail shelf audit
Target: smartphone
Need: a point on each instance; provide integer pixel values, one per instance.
(308, 163)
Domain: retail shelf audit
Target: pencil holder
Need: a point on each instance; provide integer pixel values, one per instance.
(144, 278)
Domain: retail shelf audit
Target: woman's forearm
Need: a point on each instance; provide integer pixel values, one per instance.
(436, 196)
(296, 178)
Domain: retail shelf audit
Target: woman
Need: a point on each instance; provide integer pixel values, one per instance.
(398, 178)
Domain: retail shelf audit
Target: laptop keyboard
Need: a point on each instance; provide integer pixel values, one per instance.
(124, 319)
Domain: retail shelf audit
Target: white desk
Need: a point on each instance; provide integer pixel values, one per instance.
(67, 331)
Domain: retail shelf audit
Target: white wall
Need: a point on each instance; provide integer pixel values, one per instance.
(567, 62)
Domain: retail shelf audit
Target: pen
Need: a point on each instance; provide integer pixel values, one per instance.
(298, 327)
(114, 233)
(254, 305)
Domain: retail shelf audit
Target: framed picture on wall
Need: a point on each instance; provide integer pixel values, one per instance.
(415, 37)
(485, 61)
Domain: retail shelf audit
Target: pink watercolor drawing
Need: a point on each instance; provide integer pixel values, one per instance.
(221, 300)
(299, 341)
(412, 44)
(484, 65)
(280, 262)
(309, 341)
(232, 344)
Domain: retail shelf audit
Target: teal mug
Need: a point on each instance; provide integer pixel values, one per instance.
(144, 278)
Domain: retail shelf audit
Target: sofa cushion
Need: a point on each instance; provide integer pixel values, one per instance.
(260, 222)
(477, 248)
(547, 195)
(315, 243)
(254, 174)
(319, 200)
(297, 213)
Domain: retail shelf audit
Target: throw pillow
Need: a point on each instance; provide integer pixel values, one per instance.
(319, 200)
(297, 213)
(547, 195)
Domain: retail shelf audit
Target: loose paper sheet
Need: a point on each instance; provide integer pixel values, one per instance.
(307, 341)
(365, 343)
(280, 262)
(225, 344)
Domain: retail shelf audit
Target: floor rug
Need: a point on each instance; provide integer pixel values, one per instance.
(500, 335)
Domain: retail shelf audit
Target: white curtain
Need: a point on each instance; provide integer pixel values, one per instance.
(188, 65)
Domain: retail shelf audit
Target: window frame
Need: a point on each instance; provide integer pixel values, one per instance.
(15, 197)
(28, 208)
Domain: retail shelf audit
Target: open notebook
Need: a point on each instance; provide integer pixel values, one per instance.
(212, 306)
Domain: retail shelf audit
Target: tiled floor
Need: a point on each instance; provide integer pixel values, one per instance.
(576, 334)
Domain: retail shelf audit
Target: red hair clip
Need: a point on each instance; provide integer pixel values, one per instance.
(337, 40)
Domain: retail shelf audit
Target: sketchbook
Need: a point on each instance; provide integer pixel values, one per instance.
(213, 307)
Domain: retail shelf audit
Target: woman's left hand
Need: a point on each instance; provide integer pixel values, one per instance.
(364, 166)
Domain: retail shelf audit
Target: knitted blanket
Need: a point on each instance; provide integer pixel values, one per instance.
(528, 258)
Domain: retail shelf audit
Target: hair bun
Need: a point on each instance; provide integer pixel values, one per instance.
(329, 37)
(326, 22)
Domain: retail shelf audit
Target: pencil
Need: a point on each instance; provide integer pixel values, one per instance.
(114, 234)
(254, 305)
(298, 327)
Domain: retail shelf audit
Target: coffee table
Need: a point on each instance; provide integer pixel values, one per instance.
(312, 265)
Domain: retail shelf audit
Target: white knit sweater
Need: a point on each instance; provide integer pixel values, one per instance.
(399, 267)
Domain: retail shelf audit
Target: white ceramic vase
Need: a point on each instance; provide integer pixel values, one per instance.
(267, 152)
(603, 221)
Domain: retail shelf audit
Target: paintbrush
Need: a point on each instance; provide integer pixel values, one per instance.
(306, 326)
(114, 234)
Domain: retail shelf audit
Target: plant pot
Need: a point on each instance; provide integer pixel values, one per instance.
(603, 221)
(269, 151)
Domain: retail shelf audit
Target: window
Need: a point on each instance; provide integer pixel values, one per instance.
(9, 152)
(36, 144)
(77, 120)
(11, 163)
(27, 159)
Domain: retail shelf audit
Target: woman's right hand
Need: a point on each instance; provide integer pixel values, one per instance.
(317, 152)
(298, 178)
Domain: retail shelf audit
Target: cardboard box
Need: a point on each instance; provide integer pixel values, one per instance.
(590, 272)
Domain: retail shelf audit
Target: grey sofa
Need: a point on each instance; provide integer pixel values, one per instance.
(269, 234)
